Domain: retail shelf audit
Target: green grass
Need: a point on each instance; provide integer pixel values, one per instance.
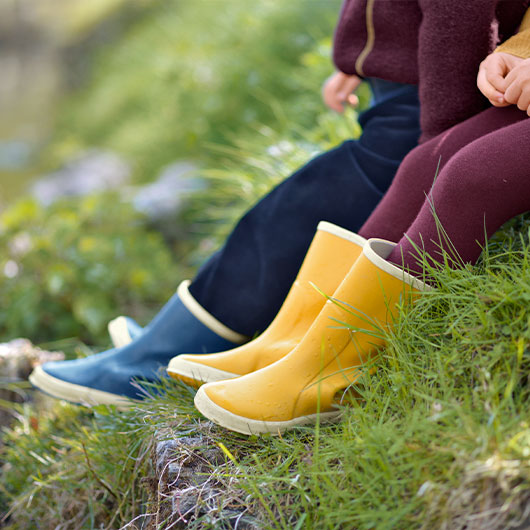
(442, 432)
(440, 437)
(74, 467)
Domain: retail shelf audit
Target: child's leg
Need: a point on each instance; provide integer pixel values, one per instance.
(415, 177)
(245, 283)
(482, 186)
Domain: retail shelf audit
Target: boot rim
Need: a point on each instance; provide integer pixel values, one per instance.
(119, 332)
(326, 226)
(206, 318)
(377, 250)
(200, 373)
(73, 393)
(211, 410)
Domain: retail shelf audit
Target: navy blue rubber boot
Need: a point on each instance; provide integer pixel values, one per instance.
(182, 326)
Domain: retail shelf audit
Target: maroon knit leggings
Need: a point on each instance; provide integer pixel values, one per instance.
(483, 180)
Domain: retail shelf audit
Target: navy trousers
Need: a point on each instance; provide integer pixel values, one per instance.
(245, 283)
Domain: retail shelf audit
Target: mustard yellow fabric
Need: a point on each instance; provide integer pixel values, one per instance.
(519, 44)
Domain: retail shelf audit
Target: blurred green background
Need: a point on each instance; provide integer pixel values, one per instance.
(134, 134)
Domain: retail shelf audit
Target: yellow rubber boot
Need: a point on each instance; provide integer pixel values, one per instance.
(305, 384)
(330, 256)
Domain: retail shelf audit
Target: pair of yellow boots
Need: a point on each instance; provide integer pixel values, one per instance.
(296, 370)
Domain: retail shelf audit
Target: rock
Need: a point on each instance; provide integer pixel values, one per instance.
(186, 487)
(17, 359)
(165, 196)
(93, 171)
(98, 171)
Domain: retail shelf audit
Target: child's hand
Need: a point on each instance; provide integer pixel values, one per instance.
(518, 86)
(491, 79)
(338, 90)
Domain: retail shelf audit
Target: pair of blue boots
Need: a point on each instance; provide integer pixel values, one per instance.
(141, 354)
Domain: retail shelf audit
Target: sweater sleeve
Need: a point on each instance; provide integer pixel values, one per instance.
(453, 39)
(519, 44)
(342, 40)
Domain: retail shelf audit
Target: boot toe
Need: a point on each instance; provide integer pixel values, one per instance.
(59, 380)
(103, 378)
(191, 370)
(241, 398)
(257, 417)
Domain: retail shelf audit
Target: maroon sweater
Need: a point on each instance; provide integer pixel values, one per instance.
(437, 44)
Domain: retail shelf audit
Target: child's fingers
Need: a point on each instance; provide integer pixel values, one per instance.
(496, 78)
(346, 91)
(497, 103)
(495, 69)
(353, 100)
(513, 93)
(334, 104)
(496, 64)
(511, 78)
(349, 85)
(488, 89)
(523, 103)
(518, 80)
(338, 90)
(330, 92)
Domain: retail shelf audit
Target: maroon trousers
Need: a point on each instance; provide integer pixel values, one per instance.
(454, 191)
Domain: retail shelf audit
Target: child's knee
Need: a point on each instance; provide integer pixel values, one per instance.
(461, 180)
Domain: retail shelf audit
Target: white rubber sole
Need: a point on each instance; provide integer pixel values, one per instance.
(185, 370)
(82, 395)
(119, 332)
(243, 425)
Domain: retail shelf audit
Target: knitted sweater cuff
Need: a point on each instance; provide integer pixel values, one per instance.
(519, 44)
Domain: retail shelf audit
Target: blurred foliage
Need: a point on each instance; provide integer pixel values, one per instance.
(71, 267)
(78, 18)
(189, 73)
(234, 87)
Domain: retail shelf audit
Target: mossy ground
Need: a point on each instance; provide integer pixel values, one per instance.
(438, 438)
